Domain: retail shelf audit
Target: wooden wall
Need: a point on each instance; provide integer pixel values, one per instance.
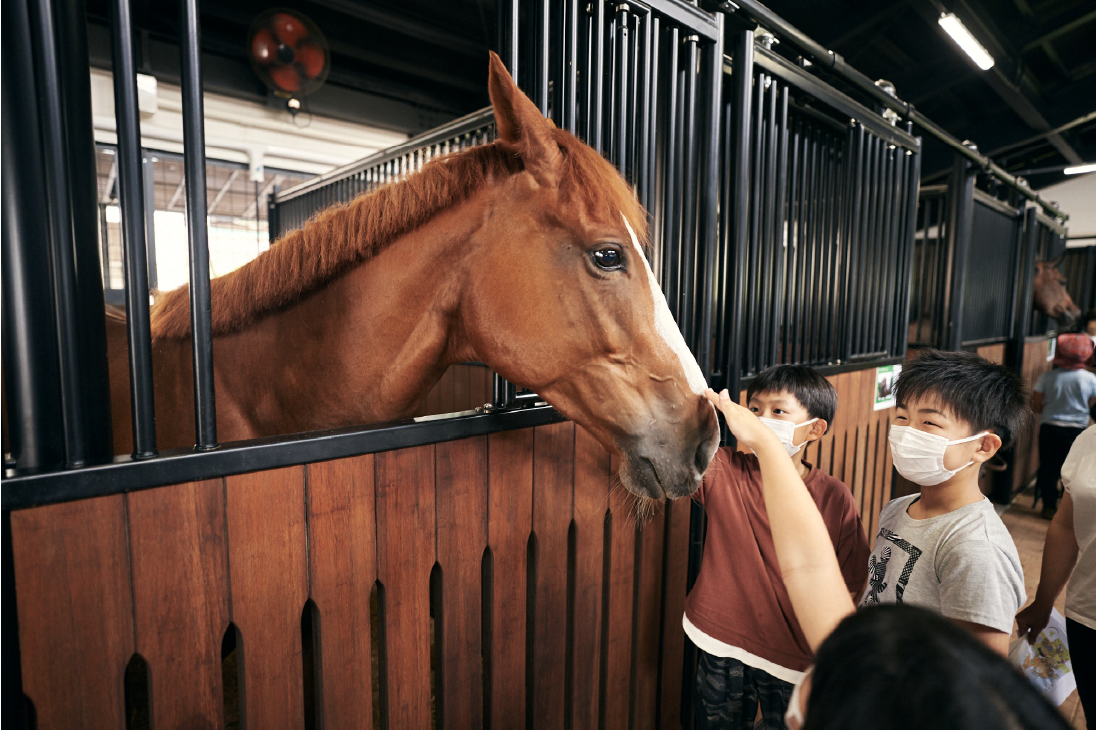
(855, 448)
(464, 387)
(514, 589)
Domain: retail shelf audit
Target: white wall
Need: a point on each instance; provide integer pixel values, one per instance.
(1077, 198)
(243, 131)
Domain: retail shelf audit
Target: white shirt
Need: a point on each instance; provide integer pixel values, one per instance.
(1079, 478)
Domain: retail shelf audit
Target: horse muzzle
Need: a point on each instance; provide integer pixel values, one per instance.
(670, 457)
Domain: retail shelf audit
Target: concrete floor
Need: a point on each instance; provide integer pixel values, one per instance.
(1029, 531)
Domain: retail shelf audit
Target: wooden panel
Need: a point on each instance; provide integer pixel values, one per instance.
(1026, 449)
(405, 557)
(553, 483)
(592, 475)
(510, 462)
(462, 536)
(342, 564)
(181, 602)
(461, 396)
(75, 610)
(993, 353)
(649, 619)
(673, 637)
(268, 573)
(618, 644)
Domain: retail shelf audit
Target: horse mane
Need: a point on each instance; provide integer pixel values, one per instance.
(344, 235)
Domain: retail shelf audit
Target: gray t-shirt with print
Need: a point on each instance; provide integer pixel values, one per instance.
(962, 564)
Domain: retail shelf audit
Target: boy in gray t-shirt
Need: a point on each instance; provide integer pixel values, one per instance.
(946, 549)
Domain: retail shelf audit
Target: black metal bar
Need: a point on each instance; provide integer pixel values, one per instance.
(149, 180)
(962, 215)
(767, 233)
(795, 207)
(507, 20)
(61, 244)
(646, 100)
(853, 284)
(780, 240)
(201, 316)
(742, 50)
(185, 465)
(596, 76)
(32, 400)
(757, 181)
(131, 199)
(541, 49)
(569, 71)
(811, 277)
(708, 222)
(671, 163)
(687, 305)
(1027, 286)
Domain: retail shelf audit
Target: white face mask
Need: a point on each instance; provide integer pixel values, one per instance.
(919, 456)
(785, 430)
(793, 718)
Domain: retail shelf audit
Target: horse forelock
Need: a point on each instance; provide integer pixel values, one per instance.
(341, 236)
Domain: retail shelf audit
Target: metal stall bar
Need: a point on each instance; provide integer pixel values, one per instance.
(201, 316)
(686, 310)
(742, 49)
(780, 213)
(60, 240)
(711, 102)
(507, 12)
(31, 367)
(132, 201)
(962, 214)
(853, 284)
(913, 178)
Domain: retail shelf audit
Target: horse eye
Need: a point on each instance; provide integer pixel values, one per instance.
(608, 258)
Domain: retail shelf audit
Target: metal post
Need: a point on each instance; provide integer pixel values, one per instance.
(149, 179)
(742, 50)
(59, 201)
(32, 399)
(962, 219)
(75, 79)
(131, 198)
(711, 97)
(201, 317)
(507, 13)
(914, 172)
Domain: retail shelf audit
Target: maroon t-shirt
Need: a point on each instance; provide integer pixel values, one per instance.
(739, 597)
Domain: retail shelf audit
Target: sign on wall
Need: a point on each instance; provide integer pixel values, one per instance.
(885, 379)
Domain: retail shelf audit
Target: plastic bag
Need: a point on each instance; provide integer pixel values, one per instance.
(1046, 662)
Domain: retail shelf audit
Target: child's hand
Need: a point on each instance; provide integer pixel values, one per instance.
(745, 426)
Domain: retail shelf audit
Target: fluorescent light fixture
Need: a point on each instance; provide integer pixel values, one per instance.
(1080, 169)
(959, 33)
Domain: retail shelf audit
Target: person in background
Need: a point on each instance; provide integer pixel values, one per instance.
(898, 667)
(1063, 395)
(738, 614)
(1088, 324)
(1069, 553)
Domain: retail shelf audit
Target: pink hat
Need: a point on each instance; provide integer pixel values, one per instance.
(1074, 351)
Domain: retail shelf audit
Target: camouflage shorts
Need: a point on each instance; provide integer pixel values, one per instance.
(728, 693)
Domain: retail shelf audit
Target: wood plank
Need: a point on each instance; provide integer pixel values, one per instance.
(860, 386)
(405, 557)
(673, 637)
(871, 447)
(617, 645)
(462, 397)
(342, 563)
(649, 620)
(510, 463)
(462, 503)
(181, 601)
(72, 579)
(592, 479)
(838, 428)
(553, 489)
(268, 574)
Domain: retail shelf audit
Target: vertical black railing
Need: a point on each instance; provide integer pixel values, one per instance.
(132, 198)
(201, 317)
(962, 212)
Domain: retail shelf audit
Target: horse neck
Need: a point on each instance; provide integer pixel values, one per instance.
(366, 347)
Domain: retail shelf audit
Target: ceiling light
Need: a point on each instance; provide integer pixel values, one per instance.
(959, 33)
(1080, 169)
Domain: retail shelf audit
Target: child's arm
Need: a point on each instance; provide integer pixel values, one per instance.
(808, 564)
(1059, 556)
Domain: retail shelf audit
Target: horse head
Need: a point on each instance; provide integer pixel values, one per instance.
(1051, 297)
(564, 302)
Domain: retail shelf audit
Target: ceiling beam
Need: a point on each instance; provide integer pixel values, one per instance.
(1005, 88)
(406, 25)
(872, 21)
(1057, 31)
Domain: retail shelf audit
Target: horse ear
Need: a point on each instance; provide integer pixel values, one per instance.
(522, 127)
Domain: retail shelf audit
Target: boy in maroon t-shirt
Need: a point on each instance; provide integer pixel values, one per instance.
(751, 649)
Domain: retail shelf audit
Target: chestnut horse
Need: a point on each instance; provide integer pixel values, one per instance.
(525, 254)
(1051, 297)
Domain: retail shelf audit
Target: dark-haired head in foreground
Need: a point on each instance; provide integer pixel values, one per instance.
(906, 668)
(987, 396)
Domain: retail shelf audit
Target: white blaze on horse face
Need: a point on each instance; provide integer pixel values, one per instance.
(666, 326)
